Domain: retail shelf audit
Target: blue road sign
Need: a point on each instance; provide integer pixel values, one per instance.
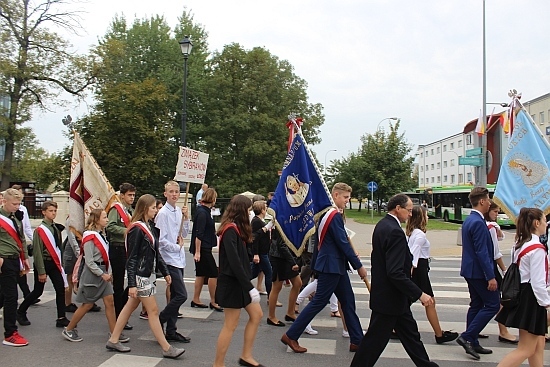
(372, 186)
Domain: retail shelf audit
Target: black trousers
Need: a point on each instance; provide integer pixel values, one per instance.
(117, 260)
(57, 280)
(8, 294)
(378, 335)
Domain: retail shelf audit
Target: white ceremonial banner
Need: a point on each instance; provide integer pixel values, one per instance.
(191, 166)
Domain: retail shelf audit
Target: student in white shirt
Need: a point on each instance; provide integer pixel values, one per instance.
(169, 222)
(420, 250)
(529, 316)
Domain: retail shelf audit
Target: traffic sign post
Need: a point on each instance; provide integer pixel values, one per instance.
(471, 161)
(372, 187)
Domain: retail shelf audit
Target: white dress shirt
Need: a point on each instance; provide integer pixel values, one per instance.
(168, 221)
(419, 246)
(27, 229)
(532, 268)
(493, 226)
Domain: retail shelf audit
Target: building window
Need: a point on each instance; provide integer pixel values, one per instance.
(445, 178)
(438, 179)
(460, 178)
(469, 139)
(438, 150)
(421, 169)
(432, 180)
(421, 155)
(452, 162)
(452, 146)
(427, 168)
(460, 143)
(432, 166)
(444, 164)
(452, 179)
(445, 148)
(426, 153)
(432, 152)
(421, 180)
(533, 117)
(541, 117)
(438, 165)
(469, 177)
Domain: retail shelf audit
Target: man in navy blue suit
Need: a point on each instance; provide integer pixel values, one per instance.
(477, 268)
(330, 262)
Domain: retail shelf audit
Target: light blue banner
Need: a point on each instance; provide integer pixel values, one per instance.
(523, 180)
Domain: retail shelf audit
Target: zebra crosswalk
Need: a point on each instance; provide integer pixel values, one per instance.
(326, 349)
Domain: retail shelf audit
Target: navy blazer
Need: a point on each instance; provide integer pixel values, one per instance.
(392, 289)
(336, 250)
(477, 249)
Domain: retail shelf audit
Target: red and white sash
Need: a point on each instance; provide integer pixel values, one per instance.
(7, 225)
(124, 216)
(324, 224)
(100, 243)
(145, 228)
(49, 242)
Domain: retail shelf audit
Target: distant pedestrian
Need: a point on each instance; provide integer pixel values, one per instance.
(198, 197)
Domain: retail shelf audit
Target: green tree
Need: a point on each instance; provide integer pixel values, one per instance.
(250, 95)
(36, 65)
(383, 158)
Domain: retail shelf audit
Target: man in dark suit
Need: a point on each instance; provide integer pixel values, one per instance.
(392, 290)
(477, 268)
(330, 261)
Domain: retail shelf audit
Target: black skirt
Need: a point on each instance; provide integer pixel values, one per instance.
(420, 277)
(230, 294)
(527, 315)
(282, 269)
(206, 267)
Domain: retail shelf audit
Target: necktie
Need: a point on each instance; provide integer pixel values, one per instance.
(56, 236)
(12, 217)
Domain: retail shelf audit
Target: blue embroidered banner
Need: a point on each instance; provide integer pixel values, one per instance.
(300, 196)
(523, 180)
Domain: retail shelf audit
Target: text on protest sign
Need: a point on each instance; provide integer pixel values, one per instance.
(191, 166)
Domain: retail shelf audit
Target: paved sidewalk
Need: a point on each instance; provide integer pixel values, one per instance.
(443, 243)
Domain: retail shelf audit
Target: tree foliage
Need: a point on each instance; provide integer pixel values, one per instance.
(237, 104)
(36, 65)
(383, 158)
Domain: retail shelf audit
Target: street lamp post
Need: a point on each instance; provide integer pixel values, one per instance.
(186, 47)
(325, 166)
(387, 118)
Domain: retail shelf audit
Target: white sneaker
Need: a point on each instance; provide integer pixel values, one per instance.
(345, 334)
(310, 331)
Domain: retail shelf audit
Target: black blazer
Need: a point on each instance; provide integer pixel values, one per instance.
(392, 289)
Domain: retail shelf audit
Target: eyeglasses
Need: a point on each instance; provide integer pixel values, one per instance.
(409, 210)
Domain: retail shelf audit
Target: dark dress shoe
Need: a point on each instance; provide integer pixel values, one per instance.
(278, 323)
(36, 301)
(293, 344)
(62, 322)
(483, 336)
(128, 327)
(353, 347)
(71, 308)
(446, 337)
(468, 348)
(242, 362)
(290, 319)
(22, 319)
(177, 337)
(198, 305)
(508, 341)
(480, 350)
(95, 308)
(217, 308)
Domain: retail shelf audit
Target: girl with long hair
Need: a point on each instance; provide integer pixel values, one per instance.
(529, 316)
(497, 235)
(95, 282)
(420, 249)
(235, 290)
(143, 257)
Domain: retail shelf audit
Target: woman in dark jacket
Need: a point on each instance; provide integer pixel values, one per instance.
(143, 258)
(285, 267)
(261, 232)
(203, 239)
(235, 291)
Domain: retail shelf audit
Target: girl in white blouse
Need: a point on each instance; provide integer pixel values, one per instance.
(529, 316)
(420, 250)
(497, 235)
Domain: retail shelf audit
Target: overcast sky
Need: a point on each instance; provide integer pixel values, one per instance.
(364, 60)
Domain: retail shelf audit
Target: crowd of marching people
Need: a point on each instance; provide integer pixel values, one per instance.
(122, 251)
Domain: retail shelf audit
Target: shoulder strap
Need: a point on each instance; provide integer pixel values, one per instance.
(529, 249)
(324, 224)
(124, 217)
(230, 225)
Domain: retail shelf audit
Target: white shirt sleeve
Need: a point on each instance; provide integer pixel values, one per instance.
(27, 229)
(496, 249)
(416, 241)
(167, 245)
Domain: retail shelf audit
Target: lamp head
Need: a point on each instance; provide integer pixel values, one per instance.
(186, 46)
